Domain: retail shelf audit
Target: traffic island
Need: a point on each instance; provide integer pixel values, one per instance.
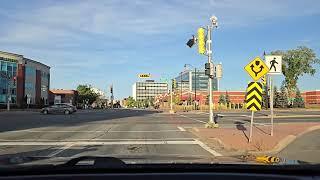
(234, 140)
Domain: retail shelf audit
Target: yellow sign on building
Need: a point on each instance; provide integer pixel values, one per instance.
(144, 75)
(256, 68)
(254, 96)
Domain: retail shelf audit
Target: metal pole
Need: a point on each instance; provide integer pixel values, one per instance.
(171, 103)
(251, 126)
(181, 86)
(209, 42)
(271, 104)
(8, 94)
(195, 88)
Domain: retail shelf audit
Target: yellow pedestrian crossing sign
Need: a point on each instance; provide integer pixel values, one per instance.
(254, 96)
(256, 68)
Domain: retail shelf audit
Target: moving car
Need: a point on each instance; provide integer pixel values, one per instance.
(74, 108)
(58, 108)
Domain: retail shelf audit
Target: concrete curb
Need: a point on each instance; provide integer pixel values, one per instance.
(278, 148)
(284, 142)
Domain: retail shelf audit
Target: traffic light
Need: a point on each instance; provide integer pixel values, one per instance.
(191, 42)
(201, 41)
(209, 69)
(174, 84)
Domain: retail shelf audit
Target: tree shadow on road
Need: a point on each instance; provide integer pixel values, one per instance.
(13, 122)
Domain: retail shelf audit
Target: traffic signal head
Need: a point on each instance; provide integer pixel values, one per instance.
(201, 41)
(209, 69)
(191, 42)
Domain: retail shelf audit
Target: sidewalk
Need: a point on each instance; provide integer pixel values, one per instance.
(235, 140)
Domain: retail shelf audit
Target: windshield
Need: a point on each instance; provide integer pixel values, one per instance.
(160, 81)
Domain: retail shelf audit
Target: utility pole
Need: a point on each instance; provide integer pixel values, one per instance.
(111, 97)
(195, 88)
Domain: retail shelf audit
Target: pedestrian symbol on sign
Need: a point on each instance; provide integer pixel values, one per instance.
(272, 63)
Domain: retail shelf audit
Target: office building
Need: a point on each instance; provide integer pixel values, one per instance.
(148, 89)
(191, 81)
(23, 81)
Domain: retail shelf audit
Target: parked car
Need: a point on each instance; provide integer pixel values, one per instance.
(74, 108)
(57, 108)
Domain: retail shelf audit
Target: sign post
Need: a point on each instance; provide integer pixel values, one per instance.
(274, 64)
(256, 69)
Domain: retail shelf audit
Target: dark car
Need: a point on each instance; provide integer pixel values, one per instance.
(57, 108)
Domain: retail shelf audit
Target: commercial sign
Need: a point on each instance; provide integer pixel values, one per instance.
(144, 75)
(256, 68)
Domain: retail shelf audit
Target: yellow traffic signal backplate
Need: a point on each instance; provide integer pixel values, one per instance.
(256, 68)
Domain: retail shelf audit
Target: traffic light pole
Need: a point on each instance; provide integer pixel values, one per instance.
(209, 51)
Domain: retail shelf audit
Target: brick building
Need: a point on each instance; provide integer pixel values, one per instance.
(63, 96)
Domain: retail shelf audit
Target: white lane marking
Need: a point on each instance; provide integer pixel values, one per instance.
(192, 118)
(74, 131)
(181, 128)
(207, 148)
(84, 143)
(60, 150)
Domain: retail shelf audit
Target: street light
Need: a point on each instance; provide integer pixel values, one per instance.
(209, 28)
(195, 84)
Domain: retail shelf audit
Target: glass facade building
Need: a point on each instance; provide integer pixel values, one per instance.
(148, 90)
(23, 81)
(8, 88)
(191, 80)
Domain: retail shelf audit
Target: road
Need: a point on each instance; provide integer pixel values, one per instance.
(303, 148)
(147, 135)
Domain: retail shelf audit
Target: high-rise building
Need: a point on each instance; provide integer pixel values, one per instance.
(23, 81)
(148, 89)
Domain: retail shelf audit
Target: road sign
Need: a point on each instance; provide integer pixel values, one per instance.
(274, 64)
(256, 68)
(264, 80)
(254, 96)
(144, 75)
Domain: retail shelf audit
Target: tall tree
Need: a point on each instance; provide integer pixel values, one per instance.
(227, 98)
(298, 101)
(283, 96)
(296, 63)
(276, 97)
(222, 99)
(86, 94)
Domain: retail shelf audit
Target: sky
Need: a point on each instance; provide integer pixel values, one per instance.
(110, 42)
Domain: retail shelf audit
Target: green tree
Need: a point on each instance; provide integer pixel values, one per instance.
(227, 99)
(296, 63)
(298, 101)
(283, 96)
(222, 99)
(276, 97)
(131, 102)
(85, 93)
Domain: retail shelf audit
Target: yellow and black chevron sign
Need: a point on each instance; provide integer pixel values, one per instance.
(254, 96)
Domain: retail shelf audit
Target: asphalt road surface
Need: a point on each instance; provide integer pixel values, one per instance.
(146, 135)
